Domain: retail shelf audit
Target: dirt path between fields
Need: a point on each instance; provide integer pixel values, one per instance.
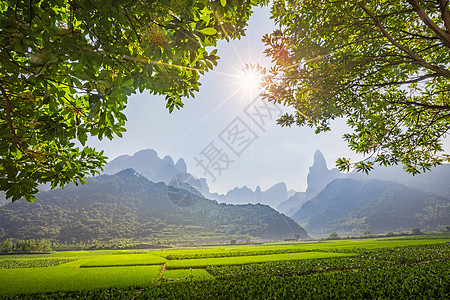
(163, 268)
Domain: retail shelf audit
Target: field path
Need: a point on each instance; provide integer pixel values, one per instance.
(163, 268)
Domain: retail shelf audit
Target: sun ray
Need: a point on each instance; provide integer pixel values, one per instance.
(204, 118)
(245, 81)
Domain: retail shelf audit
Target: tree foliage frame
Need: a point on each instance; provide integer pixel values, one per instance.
(68, 66)
(382, 65)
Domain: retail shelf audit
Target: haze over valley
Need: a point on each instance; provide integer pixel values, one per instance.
(136, 199)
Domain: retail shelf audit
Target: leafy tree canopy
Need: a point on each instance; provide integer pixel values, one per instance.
(382, 65)
(67, 67)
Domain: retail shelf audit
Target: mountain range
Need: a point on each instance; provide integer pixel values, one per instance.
(351, 207)
(388, 199)
(147, 163)
(321, 191)
(435, 181)
(129, 206)
(156, 169)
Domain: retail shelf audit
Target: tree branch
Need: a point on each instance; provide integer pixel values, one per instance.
(131, 23)
(357, 42)
(418, 79)
(445, 13)
(425, 105)
(444, 36)
(416, 34)
(8, 110)
(31, 12)
(423, 63)
(396, 13)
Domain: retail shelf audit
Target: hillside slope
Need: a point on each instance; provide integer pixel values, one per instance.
(127, 205)
(350, 207)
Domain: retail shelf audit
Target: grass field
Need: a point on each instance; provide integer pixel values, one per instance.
(186, 274)
(85, 273)
(123, 260)
(250, 259)
(62, 278)
(331, 245)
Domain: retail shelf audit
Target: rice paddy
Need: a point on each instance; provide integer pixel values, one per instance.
(78, 271)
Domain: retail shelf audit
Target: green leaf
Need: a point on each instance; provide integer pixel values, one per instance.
(208, 31)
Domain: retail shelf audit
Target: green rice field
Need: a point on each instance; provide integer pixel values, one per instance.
(268, 271)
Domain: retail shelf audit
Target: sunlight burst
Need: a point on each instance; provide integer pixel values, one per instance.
(251, 77)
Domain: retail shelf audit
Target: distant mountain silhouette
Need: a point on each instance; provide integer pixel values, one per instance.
(129, 206)
(278, 196)
(155, 169)
(147, 163)
(273, 196)
(293, 203)
(436, 180)
(318, 177)
(350, 207)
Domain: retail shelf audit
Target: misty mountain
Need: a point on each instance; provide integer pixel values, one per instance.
(318, 177)
(147, 163)
(278, 196)
(292, 204)
(350, 207)
(436, 181)
(129, 206)
(272, 196)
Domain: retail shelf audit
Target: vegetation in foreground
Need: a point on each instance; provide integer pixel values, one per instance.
(369, 268)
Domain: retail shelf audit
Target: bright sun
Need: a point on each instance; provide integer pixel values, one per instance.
(251, 77)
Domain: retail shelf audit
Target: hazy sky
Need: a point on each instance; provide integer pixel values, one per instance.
(228, 127)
